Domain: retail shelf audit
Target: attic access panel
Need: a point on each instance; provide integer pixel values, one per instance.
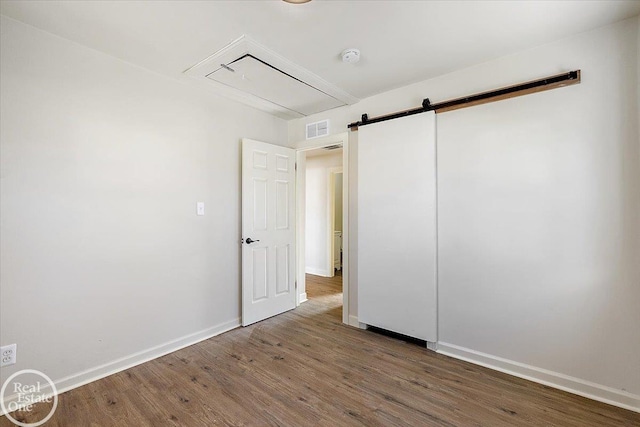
(256, 77)
(292, 94)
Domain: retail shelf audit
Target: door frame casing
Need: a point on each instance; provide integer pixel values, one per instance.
(301, 147)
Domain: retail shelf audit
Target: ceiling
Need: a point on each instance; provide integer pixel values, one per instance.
(319, 152)
(402, 42)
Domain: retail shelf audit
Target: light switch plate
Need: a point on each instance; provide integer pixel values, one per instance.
(200, 208)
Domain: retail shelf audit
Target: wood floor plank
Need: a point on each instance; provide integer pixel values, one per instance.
(305, 368)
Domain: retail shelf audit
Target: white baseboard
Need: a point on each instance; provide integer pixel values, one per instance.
(303, 297)
(317, 272)
(85, 377)
(573, 385)
(353, 321)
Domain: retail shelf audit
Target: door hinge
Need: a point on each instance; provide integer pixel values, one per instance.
(295, 166)
(296, 284)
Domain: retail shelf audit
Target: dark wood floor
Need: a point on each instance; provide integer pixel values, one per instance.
(305, 368)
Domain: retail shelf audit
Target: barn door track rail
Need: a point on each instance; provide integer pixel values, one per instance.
(540, 85)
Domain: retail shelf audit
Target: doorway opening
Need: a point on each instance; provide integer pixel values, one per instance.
(322, 221)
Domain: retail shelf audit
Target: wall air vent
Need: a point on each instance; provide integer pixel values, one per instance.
(318, 129)
(250, 73)
(332, 147)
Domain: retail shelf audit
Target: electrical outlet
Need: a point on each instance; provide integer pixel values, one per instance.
(8, 354)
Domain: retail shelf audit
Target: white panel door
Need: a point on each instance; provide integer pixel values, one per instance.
(397, 226)
(268, 230)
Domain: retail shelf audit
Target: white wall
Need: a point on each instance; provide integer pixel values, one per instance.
(539, 213)
(102, 253)
(538, 220)
(317, 212)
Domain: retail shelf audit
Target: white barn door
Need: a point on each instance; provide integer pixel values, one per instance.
(397, 226)
(268, 230)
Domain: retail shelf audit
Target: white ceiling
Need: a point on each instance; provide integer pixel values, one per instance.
(319, 152)
(401, 41)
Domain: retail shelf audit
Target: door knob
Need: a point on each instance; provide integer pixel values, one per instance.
(249, 240)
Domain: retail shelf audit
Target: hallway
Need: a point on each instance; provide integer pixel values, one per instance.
(322, 289)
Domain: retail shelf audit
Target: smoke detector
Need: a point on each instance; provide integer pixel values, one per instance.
(350, 56)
